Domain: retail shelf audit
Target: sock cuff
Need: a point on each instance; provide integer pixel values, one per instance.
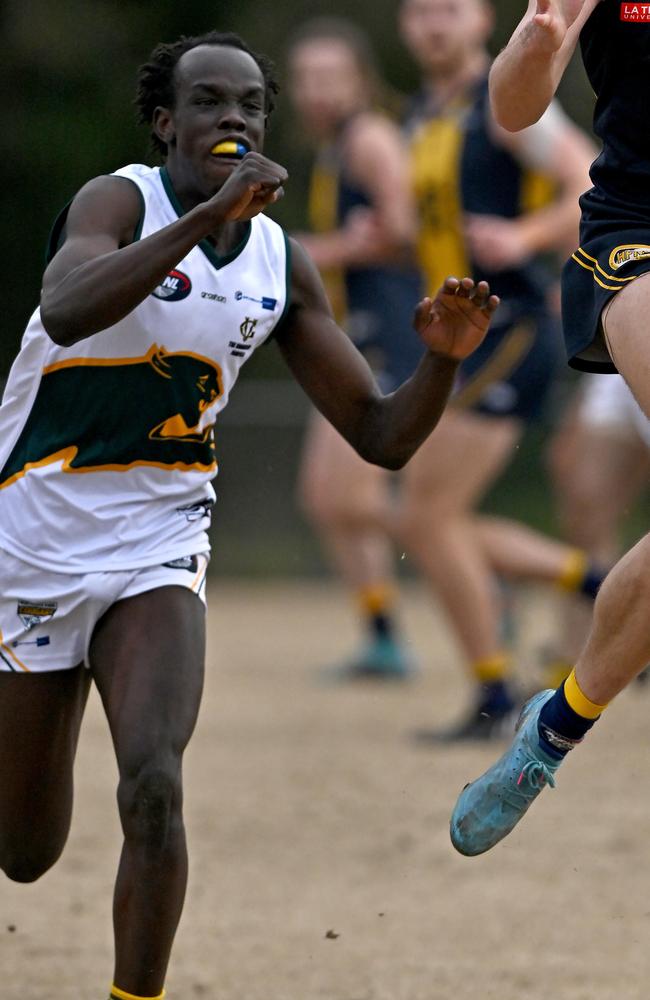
(118, 994)
(578, 701)
(491, 668)
(573, 571)
(376, 598)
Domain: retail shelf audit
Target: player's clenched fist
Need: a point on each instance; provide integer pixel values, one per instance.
(454, 323)
(254, 183)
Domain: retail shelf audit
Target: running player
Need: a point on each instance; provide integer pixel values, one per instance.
(161, 283)
(493, 203)
(606, 299)
(361, 167)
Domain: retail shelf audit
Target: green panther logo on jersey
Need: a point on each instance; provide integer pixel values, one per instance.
(110, 414)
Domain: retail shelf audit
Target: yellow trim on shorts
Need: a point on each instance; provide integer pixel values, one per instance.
(588, 267)
(605, 274)
(13, 656)
(197, 582)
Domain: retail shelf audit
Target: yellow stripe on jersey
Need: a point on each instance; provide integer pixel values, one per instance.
(537, 191)
(436, 151)
(323, 218)
(514, 346)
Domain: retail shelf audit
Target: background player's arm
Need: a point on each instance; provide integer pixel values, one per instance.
(556, 148)
(525, 76)
(385, 430)
(377, 162)
(99, 275)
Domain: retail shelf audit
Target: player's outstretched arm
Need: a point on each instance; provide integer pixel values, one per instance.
(526, 74)
(385, 430)
(100, 275)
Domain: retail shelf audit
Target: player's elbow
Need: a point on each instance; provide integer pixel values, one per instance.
(56, 324)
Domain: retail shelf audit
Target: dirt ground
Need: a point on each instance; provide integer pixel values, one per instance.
(320, 860)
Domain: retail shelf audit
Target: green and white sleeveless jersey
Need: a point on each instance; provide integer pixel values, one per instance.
(107, 447)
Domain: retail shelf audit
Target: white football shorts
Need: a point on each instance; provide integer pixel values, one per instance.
(608, 405)
(47, 619)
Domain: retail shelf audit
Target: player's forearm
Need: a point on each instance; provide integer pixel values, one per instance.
(102, 291)
(523, 79)
(554, 228)
(400, 422)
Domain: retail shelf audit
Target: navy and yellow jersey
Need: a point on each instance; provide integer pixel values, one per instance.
(615, 45)
(458, 168)
(373, 304)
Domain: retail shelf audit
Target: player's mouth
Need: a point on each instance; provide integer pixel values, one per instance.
(230, 150)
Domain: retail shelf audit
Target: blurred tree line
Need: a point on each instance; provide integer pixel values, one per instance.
(69, 71)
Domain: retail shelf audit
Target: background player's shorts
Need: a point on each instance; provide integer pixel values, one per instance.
(511, 373)
(614, 250)
(47, 619)
(608, 405)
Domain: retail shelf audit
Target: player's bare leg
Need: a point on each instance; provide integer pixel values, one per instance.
(40, 717)
(347, 500)
(147, 659)
(617, 650)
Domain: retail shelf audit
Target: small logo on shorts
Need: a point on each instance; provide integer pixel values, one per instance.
(33, 613)
(636, 12)
(629, 251)
(190, 563)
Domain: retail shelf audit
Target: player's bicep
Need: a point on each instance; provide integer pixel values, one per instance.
(104, 216)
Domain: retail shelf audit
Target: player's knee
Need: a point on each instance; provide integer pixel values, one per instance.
(150, 804)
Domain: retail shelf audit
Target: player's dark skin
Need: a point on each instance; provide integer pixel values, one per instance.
(147, 652)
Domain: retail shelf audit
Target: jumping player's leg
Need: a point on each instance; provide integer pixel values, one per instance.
(40, 718)
(346, 499)
(147, 659)
(617, 650)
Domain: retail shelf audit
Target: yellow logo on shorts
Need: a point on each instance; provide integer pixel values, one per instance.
(32, 613)
(627, 252)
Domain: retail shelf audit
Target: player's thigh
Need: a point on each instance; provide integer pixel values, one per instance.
(40, 717)
(147, 658)
(627, 332)
(333, 479)
(460, 460)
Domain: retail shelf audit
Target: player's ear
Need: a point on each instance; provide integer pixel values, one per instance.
(163, 125)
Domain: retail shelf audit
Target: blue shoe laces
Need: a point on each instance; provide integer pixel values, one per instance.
(534, 775)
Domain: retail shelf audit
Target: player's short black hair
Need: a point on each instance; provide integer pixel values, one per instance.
(155, 79)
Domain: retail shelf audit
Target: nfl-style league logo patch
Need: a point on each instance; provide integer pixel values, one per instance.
(638, 13)
(33, 613)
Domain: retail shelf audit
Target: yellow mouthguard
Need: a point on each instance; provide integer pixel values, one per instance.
(227, 148)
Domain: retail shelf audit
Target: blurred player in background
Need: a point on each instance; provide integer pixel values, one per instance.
(606, 305)
(494, 203)
(161, 283)
(599, 460)
(361, 167)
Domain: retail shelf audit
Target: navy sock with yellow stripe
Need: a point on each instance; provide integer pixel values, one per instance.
(377, 605)
(580, 575)
(566, 718)
(492, 674)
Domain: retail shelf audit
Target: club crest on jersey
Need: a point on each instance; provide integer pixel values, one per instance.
(174, 287)
(33, 613)
(247, 328)
(629, 251)
(638, 13)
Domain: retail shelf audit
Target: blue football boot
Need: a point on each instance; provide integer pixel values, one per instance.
(489, 808)
(381, 659)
